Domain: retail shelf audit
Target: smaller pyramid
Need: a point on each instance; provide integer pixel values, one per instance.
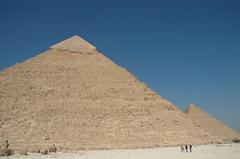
(219, 131)
(74, 44)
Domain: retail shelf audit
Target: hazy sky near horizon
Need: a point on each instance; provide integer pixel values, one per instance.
(188, 51)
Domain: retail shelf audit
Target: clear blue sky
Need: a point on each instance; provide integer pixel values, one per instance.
(186, 50)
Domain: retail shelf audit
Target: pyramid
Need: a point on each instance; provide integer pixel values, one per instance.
(74, 97)
(218, 131)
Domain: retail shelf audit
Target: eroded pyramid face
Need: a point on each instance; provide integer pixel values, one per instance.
(76, 98)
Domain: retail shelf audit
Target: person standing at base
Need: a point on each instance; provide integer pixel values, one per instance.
(190, 147)
(182, 148)
(186, 148)
(6, 144)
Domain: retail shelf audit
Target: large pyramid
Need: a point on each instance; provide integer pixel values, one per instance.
(218, 131)
(73, 96)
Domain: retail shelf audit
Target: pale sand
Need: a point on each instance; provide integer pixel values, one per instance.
(226, 151)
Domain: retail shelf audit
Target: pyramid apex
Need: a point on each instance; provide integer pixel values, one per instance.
(74, 44)
(191, 107)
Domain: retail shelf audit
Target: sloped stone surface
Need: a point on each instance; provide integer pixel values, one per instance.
(85, 101)
(218, 131)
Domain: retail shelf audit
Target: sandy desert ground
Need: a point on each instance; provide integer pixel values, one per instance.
(224, 151)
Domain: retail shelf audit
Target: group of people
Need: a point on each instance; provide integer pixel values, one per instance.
(187, 148)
